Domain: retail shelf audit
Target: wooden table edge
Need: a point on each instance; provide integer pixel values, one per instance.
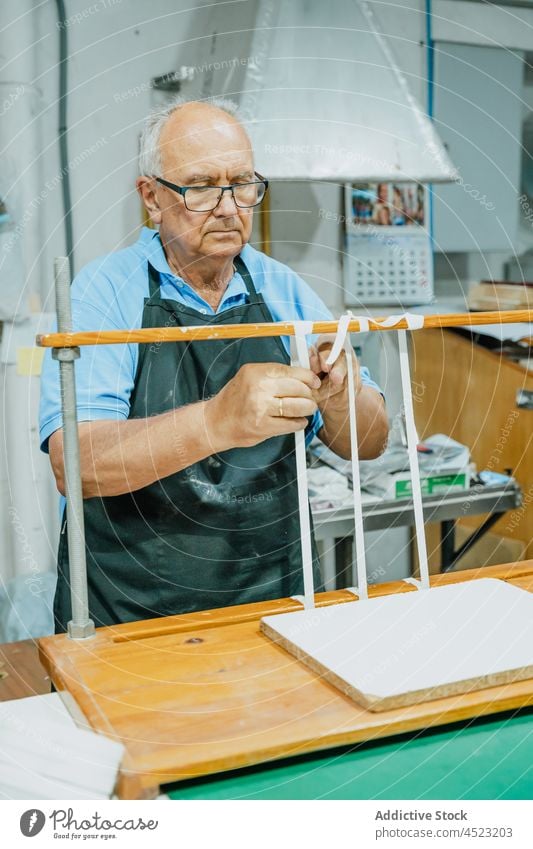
(133, 784)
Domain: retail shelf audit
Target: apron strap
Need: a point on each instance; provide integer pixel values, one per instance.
(240, 265)
(154, 281)
(253, 294)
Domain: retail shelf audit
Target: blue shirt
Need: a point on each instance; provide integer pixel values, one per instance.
(109, 293)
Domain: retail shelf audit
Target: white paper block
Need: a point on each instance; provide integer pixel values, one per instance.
(411, 647)
(44, 755)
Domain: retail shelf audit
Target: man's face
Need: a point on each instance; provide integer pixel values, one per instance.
(201, 146)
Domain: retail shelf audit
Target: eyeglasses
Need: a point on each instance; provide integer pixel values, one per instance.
(207, 198)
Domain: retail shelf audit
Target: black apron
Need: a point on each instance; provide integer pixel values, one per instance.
(223, 531)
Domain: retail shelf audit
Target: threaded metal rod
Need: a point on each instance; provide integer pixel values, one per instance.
(80, 626)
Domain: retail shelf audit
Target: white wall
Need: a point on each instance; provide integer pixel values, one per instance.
(117, 46)
(487, 24)
(114, 52)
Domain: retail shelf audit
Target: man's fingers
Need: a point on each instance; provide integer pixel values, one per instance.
(279, 370)
(314, 360)
(338, 371)
(293, 408)
(318, 360)
(325, 339)
(290, 425)
(327, 390)
(289, 386)
(306, 376)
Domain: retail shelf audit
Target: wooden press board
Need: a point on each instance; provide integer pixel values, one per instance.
(202, 693)
(405, 649)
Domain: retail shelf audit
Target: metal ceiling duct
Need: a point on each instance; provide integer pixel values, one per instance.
(323, 99)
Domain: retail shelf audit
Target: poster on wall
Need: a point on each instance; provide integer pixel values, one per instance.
(388, 257)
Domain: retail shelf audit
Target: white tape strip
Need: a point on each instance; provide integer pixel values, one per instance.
(340, 338)
(300, 356)
(412, 581)
(413, 321)
(360, 558)
(302, 329)
(412, 441)
(342, 341)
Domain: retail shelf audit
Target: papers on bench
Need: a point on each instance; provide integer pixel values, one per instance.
(444, 467)
(44, 755)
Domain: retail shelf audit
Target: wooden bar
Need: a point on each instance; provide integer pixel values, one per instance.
(157, 335)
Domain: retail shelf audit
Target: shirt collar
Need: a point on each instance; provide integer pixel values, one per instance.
(153, 250)
(152, 247)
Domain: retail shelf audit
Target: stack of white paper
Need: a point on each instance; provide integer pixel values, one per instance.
(44, 755)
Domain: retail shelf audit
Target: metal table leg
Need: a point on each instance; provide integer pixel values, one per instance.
(449, 556)
(447, 544)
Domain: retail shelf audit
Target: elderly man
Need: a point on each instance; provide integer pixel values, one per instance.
(187, 449)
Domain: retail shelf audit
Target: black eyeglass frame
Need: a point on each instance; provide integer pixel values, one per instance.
(182, 190)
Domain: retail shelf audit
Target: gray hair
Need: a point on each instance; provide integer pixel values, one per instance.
(149, 150)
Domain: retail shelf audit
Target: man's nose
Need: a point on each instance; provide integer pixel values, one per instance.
(227, 206)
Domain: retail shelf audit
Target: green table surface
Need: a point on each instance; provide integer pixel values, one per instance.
(481, 759)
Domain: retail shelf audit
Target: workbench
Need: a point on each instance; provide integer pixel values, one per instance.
(21, 673)
(479, 759)
(198, 694)
(334, 526)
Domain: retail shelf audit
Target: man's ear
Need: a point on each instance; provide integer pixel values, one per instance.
(146, 188)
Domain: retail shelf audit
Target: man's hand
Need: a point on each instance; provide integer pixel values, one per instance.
(261, 401)
(333, 392)
(333, 402)
(124, 456)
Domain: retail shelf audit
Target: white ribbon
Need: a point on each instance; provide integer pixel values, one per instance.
(413, 321)
(340, 338)
(412, 442)
(300, 356)
(360, 557)
(342, 341)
